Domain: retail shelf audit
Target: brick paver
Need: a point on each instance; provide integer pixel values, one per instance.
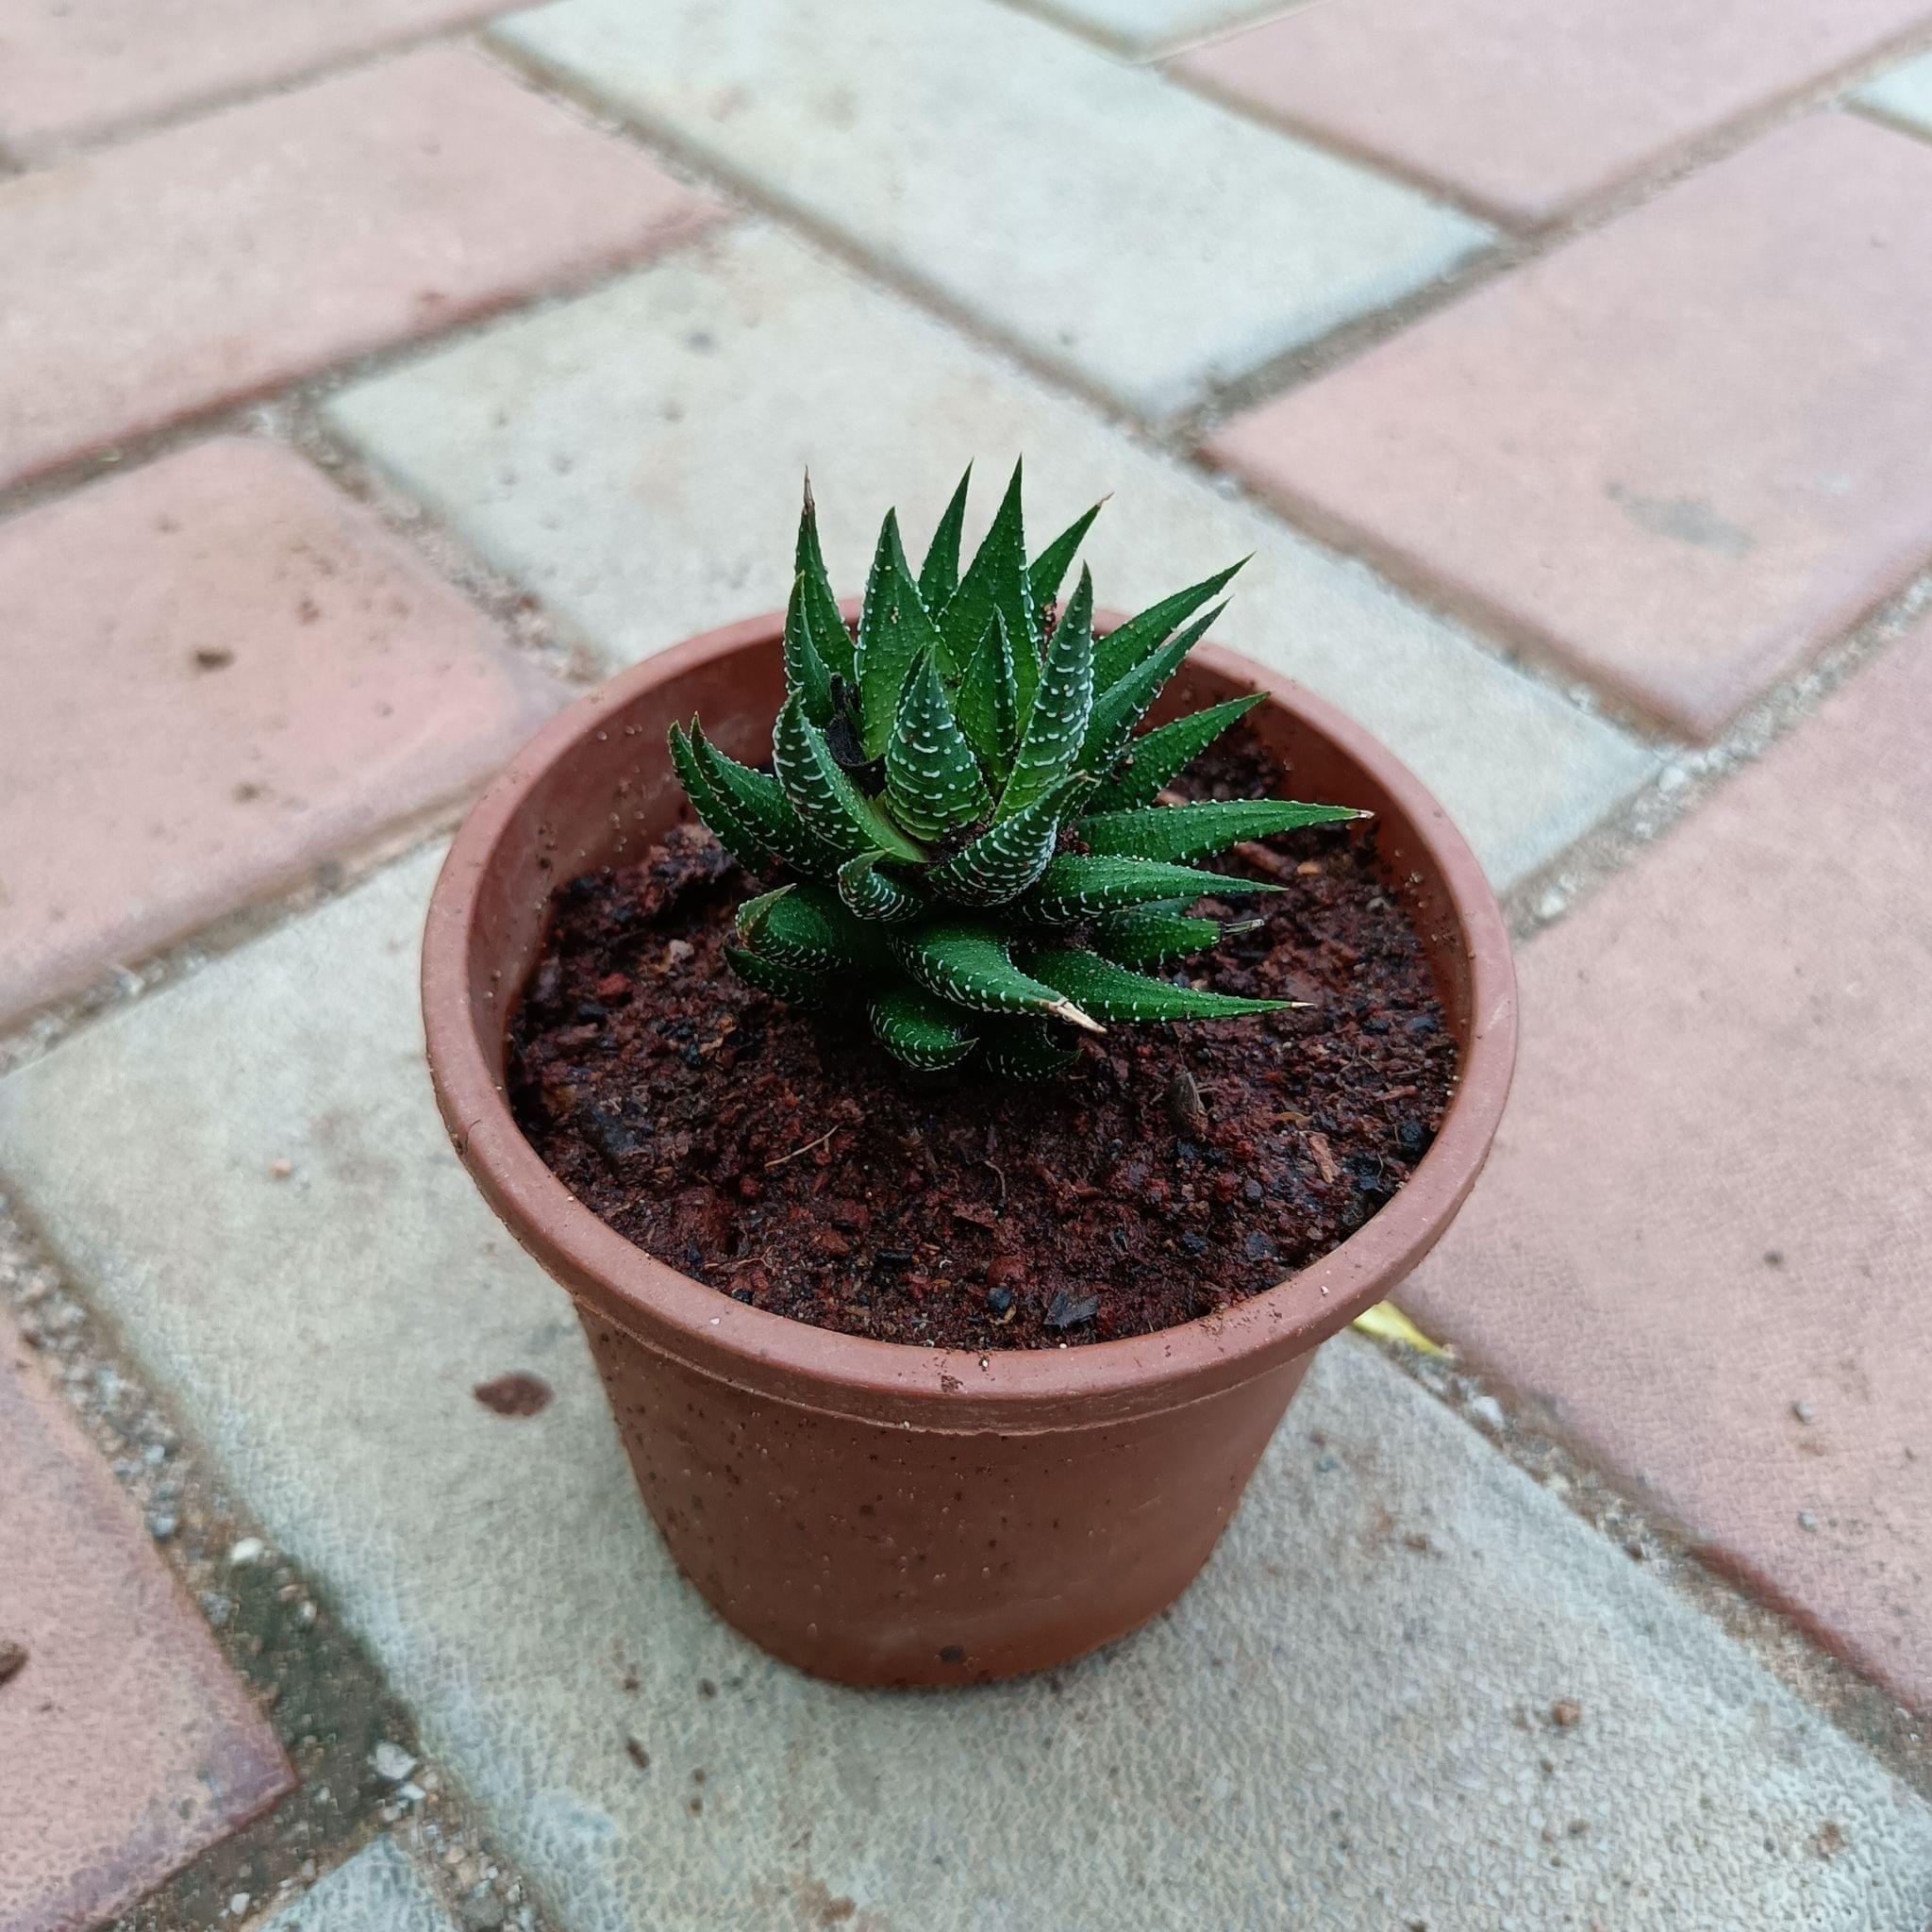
(220, 675)
(1905, 94)
(1703, 1243)
(379, 1890)
(1682, 452)
(1365, 1676)
(72, 74)
(1121, 229)
(126, 1744)
(634, 457)
(1523, 108)
(205, 264)
(1145, 27)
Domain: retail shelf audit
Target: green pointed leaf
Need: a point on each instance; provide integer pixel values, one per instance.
(826, 797)
(760, 803)
(732, 830)
(1121, 650)
(1121, 705)
(1153, 935)
(989, 699)
(1056, 726)
(924, 1032)
(1181, 832)
(805, 926)
(888, 559)
(870, 893)
(995, 580)
(1005, 859)
(1026, 1049)
(970, 965)
(1149, 761)
(1048, 571)
(828, 632)
(750, 911)
(932, 780)
(902, 635)
(804, 671)
(1113, 992)
(1074, 887)
(939, 575)
(795, 985)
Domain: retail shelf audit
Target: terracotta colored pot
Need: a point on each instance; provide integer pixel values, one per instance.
(870, 1511)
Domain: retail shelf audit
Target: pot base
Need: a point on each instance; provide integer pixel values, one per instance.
(871, 1556)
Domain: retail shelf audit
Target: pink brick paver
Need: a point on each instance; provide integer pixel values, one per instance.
(1705, 1239)
(69, 74)
(1680, 453)
(207, 263)
(1523, 108)
(127, 1743)
(220, 673)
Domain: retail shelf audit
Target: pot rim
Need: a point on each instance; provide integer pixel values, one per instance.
(1011, 1389)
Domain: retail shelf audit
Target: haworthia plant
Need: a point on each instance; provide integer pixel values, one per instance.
(970, 840)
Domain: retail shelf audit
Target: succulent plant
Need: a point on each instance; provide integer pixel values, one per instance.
(972, 835)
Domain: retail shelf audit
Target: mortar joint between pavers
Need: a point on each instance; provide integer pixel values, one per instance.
(88, 146)
(1874, 1720)
(121, 986)
(1645, 183)
(704, 171)
(1693, 775)
(275, 1629)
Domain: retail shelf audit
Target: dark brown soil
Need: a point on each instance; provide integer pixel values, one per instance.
(784, 1159)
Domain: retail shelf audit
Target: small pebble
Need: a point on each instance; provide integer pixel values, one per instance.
(391, 1763)
(161, 1525)
(1566, 1713)
(999, 1301)
(239, 1903)
(1487, 1408)
(1806, 1519)
(484, 1912)
(250, 1549)
(1802, 1411)
(13, 1658)
(281, 1170)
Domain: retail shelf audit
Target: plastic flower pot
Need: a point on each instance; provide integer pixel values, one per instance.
(869, 1511)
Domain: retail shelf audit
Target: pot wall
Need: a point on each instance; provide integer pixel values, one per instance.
(879, 1514)
(883, 1554)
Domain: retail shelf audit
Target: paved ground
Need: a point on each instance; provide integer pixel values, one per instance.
(1567, 380)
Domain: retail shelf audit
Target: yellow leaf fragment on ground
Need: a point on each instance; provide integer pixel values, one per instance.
(1387, 1323)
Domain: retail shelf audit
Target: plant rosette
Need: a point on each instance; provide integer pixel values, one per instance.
(969, 842)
